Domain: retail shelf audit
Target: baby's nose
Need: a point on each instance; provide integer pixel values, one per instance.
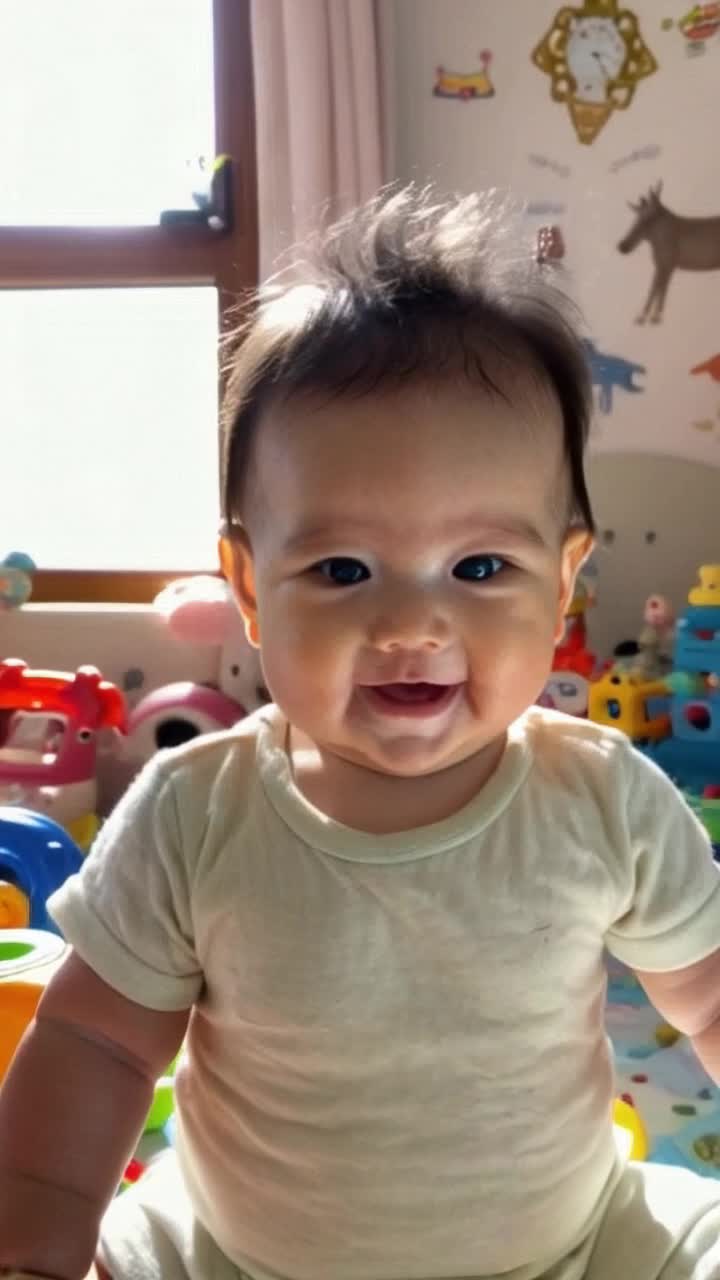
(410, 626)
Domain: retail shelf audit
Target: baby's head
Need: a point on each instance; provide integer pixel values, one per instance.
(404, 493)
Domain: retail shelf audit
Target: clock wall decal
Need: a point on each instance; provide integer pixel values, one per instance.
(595, 56)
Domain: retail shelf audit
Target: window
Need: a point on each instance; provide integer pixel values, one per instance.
(113, 285)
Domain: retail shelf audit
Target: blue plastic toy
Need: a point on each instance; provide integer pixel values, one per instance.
(690, 754)
(36, 857)
(697, 642)
(16, 572)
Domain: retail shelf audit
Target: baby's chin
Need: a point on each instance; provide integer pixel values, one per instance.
(408, 756)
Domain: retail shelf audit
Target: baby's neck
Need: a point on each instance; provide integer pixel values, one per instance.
(380, 803)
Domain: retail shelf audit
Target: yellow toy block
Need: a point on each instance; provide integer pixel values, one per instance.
(28, 960)
(619, 699)
(708, 590)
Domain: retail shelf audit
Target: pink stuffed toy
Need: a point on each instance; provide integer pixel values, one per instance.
(202, 611)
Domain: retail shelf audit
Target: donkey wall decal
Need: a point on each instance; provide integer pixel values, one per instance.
(676, 243)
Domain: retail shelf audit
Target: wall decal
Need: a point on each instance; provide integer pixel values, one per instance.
(711, 366)
(676, 243)
(550, 245)
(595, 57)
(709, 425)
(698, 25)
(545, 209)
(465, 85)
(546, 162)
(649, 152)
(611, 373)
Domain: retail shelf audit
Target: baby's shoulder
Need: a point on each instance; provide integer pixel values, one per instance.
(214, 770)
(572, 753)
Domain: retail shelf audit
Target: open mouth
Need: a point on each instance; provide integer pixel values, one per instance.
(411, 699)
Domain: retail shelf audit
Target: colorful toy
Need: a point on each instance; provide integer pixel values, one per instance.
(163, 1101)
(710, 813)
(49, 725)
(28, 960)
(655, 642)
(690, 751)
(16, 572)
(199, 610)
(707, 592)
(567, 686)
(176, 713)
(36, 857)
(627, 1118)
(133, 1173)
(625, 701)
(572, 653)
(565, 691)
(697, 643)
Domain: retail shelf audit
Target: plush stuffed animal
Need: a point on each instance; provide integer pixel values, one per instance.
(202, 611)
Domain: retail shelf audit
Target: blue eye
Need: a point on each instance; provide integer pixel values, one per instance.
(478, 568)
(342, 571)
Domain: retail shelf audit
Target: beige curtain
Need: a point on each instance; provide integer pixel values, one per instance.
(318, 114)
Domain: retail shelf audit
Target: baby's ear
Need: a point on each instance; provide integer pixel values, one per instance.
(576, 548)
(236, 558)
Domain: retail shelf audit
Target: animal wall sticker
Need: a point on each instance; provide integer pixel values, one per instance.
(711, 366)
(595, 56)
(677, 243)
(699, 25)
(610, 373)
(465, 85)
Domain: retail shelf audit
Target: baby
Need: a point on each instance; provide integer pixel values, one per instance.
(375, 912)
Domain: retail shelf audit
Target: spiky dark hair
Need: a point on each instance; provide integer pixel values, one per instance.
(409, 286)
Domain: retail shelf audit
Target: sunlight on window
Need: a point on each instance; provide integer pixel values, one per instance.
(102, 105)
(108, 405)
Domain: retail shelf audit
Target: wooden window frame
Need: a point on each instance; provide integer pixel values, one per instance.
(53, 257)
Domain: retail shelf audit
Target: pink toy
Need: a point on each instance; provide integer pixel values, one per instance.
(49, 727)
(655, 641)
(202, 611)
(659, 613)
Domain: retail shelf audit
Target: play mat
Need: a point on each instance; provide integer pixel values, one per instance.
(659, 1074)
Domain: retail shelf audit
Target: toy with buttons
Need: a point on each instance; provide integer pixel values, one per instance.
(674, 715)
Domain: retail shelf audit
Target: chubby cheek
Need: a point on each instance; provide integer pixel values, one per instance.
(513, 652)
(307, 665)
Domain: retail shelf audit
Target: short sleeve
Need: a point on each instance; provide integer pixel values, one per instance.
(671, 915)
(127, 912)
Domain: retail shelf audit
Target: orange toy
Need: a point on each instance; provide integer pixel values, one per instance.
(28, 960)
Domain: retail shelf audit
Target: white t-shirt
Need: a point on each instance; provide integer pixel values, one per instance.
(396, 1064)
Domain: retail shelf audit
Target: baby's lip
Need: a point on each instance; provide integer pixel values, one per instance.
(394, 698)
(393, 678)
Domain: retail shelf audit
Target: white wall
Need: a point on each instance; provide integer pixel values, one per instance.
(666, 133)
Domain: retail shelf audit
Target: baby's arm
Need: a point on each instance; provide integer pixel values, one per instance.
(690, 999)
(71, 1109)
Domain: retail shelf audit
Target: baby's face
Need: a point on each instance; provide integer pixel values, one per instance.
(409, 567)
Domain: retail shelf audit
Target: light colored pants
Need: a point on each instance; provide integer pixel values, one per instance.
(661, 1224)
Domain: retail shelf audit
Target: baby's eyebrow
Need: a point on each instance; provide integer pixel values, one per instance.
(504, 527)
